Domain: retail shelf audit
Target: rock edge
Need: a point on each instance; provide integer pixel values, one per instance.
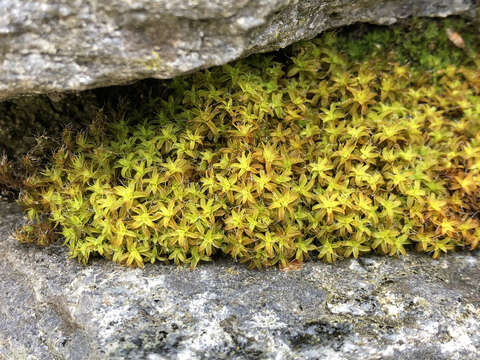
(55, 46)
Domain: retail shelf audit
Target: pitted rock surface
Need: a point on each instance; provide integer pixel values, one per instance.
(54, 46)
(371, 308)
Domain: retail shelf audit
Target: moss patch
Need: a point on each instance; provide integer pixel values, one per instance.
(334, 147)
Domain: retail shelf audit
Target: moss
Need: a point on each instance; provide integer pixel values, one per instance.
(30, 126)
(423, 44)
(335, 147)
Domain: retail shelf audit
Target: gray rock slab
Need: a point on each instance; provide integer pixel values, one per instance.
(49, 46)
(372, 308)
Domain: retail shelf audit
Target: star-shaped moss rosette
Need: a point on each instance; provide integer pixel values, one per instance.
(335, 147)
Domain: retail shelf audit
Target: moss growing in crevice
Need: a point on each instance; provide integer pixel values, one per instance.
(424, 44)
(31, 126)
(334, 147)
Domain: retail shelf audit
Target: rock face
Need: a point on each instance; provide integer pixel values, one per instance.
(57, 45)
(371, 308)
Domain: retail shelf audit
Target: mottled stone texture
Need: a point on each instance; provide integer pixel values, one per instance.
(372, 308)
(66, 45)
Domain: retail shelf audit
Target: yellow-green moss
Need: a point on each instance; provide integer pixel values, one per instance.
(335, 147)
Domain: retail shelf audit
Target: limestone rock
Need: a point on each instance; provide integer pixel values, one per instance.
(53, 46)
(372, 308)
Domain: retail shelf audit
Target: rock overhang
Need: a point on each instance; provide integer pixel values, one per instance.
(67, 46)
